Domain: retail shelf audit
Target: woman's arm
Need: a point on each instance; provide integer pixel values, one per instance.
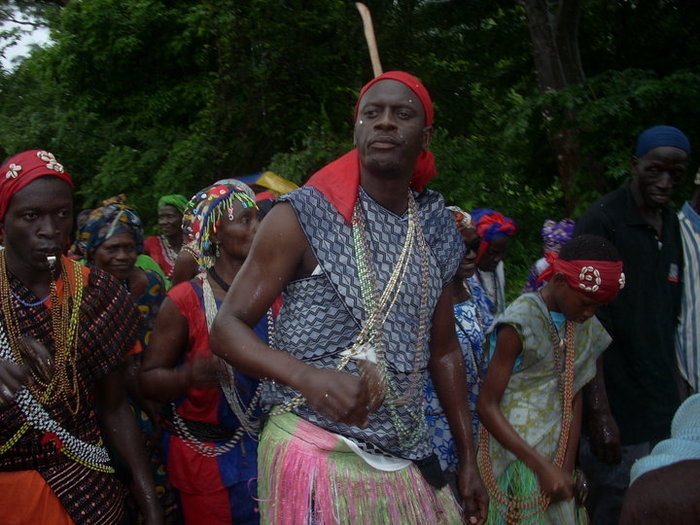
(449, 377)
(554, 481)
(119, 428)
(160, 377)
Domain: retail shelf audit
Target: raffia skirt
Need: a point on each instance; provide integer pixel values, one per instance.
(306, 475)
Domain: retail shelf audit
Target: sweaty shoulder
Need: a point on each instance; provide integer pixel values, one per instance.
(280, 246)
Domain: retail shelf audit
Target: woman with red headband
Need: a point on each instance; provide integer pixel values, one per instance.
(546, 348)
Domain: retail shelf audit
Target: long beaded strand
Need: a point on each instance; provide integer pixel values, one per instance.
(65, 314)
(513, 508)
(228, 386)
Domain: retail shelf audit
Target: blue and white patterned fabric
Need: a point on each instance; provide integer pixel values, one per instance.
(486, 306)
(471, 339)
(688, 334)
(322, 314)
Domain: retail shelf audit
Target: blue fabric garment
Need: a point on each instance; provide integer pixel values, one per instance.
(470, 335)
(322, 314)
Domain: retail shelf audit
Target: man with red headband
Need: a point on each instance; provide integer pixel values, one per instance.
(363, 258)
(64, 332)
(635, 393)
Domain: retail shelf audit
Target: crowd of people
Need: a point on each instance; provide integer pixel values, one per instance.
(351, 358)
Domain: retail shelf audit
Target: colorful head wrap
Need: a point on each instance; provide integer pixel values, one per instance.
(556, 234)
(114, 217)
(339, 180)
(599, 280)
(462, 218)
(658, 136)
(176, 200)
(491, 225)
(23, 169)
(207, 207)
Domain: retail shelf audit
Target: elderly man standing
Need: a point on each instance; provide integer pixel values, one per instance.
(363, 258)
(635, 392)
(688, 334)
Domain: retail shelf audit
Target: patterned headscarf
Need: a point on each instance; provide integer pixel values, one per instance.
(207, 207)
(176, 200)
(115, 216)
(462, 218)
(556, 234)
(23, 169)
(491, 225)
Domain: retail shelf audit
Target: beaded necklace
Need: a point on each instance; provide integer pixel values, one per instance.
(248, 423)
(65, 313)
(377, 311)
(168, 251)
(513, 508)
(63, 383)
(26, 303)
(368, 340)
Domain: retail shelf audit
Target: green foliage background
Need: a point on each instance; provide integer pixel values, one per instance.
(148, 97)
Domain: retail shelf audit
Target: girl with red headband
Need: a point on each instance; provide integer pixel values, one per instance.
(546, 346)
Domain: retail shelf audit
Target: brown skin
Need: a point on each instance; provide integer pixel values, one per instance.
(494, 254)
(170, 224)
(656, 176)
(467, 266)
(161, 377)
(389, 133)
(37, 223)
(556, 482)
(185, 268)
(117, 255)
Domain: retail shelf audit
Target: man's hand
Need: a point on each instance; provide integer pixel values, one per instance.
(605, 437)
(337, 395)
(12, 377)
(474, 495)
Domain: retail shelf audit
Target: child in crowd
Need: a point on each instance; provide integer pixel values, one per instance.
(554, 236)
(546, 346)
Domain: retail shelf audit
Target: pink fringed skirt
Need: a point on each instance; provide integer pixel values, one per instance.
(306, 475)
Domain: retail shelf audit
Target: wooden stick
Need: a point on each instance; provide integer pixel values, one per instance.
(369, 36)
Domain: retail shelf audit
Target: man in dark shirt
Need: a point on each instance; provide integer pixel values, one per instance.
(634, 395)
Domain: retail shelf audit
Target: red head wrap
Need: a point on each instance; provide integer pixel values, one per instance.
(339, 180)
(491, 225)
(23, 169)
(599, 280)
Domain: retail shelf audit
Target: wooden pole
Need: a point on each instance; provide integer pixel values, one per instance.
(369, 36)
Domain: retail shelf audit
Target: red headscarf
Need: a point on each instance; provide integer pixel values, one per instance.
(599, 280)
(339, 180)
(23, 169)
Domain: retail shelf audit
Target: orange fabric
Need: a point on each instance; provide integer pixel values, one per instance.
(26, 499)
(71, 277)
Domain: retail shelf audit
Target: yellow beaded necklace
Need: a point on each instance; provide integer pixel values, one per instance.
(65, 312)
